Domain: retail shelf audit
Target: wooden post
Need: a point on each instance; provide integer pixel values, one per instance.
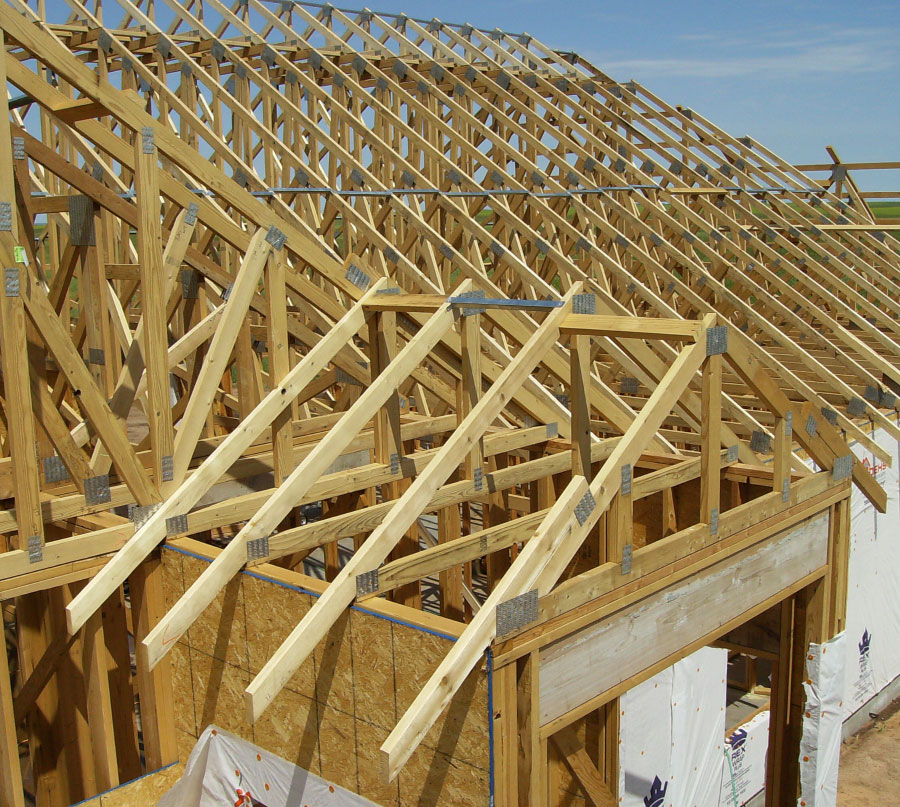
(99, 707)
(154, 297)
(388, 442)
(20, 424)
(11, 794)
(154, 688)
(711, 441)
(506, 734)
(579, 403)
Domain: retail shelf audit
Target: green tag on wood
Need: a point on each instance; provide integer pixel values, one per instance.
(19, 253)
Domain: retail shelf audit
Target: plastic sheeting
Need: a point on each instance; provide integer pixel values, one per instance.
(820, 743)
(672, 735)
(226, 770)
(744, 768)
(872, 650)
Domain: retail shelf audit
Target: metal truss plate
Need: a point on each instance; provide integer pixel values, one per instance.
(367, 583)
(503, 80)
(843, 467)
(190, 284)
(732, 453)
(786, 490)
(81, 221)
(357, 178)
(35, 549)
(812, 426)
(55, 470)
(11, 281)
(391, 254)
(830, 415)
(140, 514)
(626, 479)
(714, 521)
(454, 177)
(190, 216)
(147, 145)
(583, 244)
(358, 277)
(168, 468)
(257, 548)
(622, 241)
(478, 478)
(97, 356)
(517, 612)
(275, 238)
(788, 424)
(716, 340)
(343, 377)
(628, 386)
(584, 508)
(627, 553)
(359, 64)
(468, 311)
(497, 249)
(176, 525)
(407, 179)
(18, 146)
(887, 400)
(856, 407)
(542, 246)
(590, 164)
(395, 464)
(552, 430)
(760, 442)
(96, 489)
(584, 304)
(447, 252)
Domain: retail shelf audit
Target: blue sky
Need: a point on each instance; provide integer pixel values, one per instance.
(796, 74)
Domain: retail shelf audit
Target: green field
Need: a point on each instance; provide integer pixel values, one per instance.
(885, 210)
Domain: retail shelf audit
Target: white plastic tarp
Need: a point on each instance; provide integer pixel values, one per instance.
(744, 771)
(225, 770)
(820, 743)
(872, 649)
(672, 735)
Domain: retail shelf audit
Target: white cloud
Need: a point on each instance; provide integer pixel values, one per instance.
(823, 52)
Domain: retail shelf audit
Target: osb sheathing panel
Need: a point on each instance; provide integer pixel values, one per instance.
(146, 790)
(337, 710)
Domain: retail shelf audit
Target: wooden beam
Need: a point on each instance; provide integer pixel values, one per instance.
(539, 564)
(190, 491)
(203, 393)
(340, 593)
(265, 521)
